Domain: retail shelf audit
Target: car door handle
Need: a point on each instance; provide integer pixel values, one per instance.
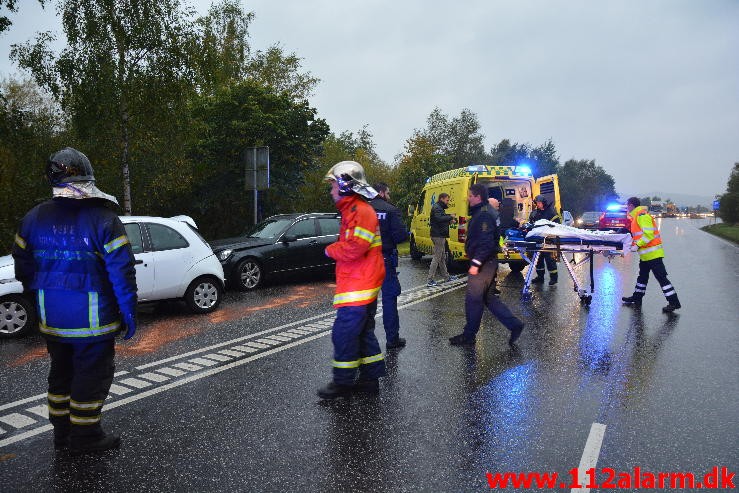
(139, 262)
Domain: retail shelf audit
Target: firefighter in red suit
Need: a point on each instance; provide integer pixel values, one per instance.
(360, 269)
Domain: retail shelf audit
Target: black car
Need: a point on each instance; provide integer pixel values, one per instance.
(280, 245)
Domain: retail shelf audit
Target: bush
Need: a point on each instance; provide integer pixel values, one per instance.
(729, 208)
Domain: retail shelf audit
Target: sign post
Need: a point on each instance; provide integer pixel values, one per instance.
(256, 172)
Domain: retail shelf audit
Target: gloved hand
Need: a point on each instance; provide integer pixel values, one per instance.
(129, 320)
(634, 248)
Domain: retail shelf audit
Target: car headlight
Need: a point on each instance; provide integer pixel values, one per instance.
(224, 254)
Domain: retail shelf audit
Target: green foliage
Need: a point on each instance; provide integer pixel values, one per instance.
(729, 202)
(244, 115)
(457, 139)
(543, 159)
(122, 77)
(726, 231)
(419, 160)
(281, 71)
(29, 126)
(585, 186)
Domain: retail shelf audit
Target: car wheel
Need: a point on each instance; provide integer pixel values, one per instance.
(204, 294)
(415, 253)
(517, 266)
(249, 274)
(17, 316)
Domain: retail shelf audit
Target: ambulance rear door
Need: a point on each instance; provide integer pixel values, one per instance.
(548, 186)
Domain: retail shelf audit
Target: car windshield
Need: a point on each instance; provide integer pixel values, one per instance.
(269, 228)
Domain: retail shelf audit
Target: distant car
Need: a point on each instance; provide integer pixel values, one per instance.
(17, 311)
(278, 246)
(589, 220)
(172, 262)
(567, 218)
(615, 218)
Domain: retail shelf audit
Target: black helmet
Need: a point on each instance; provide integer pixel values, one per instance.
(542, 199)
(68, 165)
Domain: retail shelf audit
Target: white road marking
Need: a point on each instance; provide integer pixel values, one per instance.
(229, 352)
(154, 377)
(204, 362)
(119, 390)
(590, 455)
(172, 372)
(42, 410)
(256, 345)
(17, 420)
(269, 342)
(217, 357)
(245, 349)
(135, 382)
(188, 366)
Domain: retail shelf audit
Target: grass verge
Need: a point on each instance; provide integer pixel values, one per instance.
(726, 231)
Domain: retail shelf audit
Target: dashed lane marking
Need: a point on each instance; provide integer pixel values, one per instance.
(590, 454)
(208, 361)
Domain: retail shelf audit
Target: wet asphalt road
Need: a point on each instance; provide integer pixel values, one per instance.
(247, 419)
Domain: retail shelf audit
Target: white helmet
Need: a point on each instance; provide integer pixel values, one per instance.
(351, 179)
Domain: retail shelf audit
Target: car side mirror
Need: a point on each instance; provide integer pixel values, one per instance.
(289, 238)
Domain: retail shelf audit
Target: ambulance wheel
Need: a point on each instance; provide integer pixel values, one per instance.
(517, 265)
(415, 253)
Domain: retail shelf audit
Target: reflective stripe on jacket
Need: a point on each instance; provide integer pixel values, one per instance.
(645, 235)
(360, 267)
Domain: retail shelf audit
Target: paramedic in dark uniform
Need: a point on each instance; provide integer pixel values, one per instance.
(481, 247)
(393, 231)
(73, 253)
(545, 210)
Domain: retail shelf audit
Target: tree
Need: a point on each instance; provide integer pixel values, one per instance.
(11, 5)
(245, 115)
(125, 67)
(344, 147)
(29, 126)
(219, 52)
(281, 71)
(418, 161)
(458, 139)
(729, 201)
(585, 186)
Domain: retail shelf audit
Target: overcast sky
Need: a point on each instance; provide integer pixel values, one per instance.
(647, 88)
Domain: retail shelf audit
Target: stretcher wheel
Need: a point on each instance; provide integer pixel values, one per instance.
(585, 300)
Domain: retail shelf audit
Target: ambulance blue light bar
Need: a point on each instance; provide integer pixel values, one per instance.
(476, 168)
(614, 207)
(522, 170)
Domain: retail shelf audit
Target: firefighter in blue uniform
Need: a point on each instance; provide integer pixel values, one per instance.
(393, 231)
(72, 251)
(481, 247)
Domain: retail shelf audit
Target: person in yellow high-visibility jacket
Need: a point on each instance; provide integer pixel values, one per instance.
(646, 240)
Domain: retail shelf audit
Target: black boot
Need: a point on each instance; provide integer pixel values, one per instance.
(461, 340)
(332, 391)
(86, 445)
(515, 334)
(632, 300)
(672, 304)
(367, 386)
(552, 279)
(396, 344)
(538, 279)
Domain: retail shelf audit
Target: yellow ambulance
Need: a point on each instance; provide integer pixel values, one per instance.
(514, 186)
